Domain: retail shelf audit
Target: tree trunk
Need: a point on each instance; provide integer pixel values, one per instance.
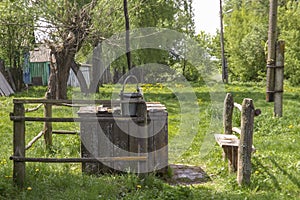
(51, 91)
(63, 71)
(59, 74)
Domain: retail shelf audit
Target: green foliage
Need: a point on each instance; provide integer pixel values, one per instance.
(16, 31)
(16, 36)
(289, 32)
(246, 31)
(245, 37)
(175, 14)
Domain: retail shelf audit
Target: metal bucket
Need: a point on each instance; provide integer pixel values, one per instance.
(129, 108)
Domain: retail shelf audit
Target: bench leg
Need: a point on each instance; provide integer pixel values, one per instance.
(231, 153)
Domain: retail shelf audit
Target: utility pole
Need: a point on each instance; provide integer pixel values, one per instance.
(224, 64)
(271, 59)
(127, 27)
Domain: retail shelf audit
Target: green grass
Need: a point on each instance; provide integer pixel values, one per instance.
(275, 164)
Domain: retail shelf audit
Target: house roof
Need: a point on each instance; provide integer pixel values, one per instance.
(40, 54)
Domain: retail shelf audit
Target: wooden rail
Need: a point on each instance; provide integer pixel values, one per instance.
(238, 151)
(18, 117)
(78, 160)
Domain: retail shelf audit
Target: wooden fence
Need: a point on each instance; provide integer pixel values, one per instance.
(18, 117)
(238, 151)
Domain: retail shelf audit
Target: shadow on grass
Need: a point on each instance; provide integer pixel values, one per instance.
(266, 170)
(293, 179)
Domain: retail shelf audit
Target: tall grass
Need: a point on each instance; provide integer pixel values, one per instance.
(276, 163)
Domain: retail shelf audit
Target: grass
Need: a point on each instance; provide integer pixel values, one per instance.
(275, 164)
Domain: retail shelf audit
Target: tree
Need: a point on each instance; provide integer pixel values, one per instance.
(71, 23)
(174, 14)
(245, 37)
(16, 36)
(246, 30)
(288, 23)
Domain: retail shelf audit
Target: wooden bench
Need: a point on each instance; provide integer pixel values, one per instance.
(238, 151)
(230, 144)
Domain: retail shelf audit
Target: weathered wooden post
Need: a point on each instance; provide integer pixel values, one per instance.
(227, 113)
(229, 151)
(19, 145)
(48, 125)
(279, 78)
(272, 37)
(246, 141)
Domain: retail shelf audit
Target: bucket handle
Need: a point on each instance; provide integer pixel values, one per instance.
(125, 81)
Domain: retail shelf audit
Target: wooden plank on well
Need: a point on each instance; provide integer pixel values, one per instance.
(133, 145)
(121, 144)
(161, 141)
(86, 130)
(105, 144)
(151, 149)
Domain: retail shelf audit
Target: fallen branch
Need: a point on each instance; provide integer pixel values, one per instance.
(33, 109)
(34, 140)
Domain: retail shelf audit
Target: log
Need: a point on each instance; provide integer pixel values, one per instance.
(279, 79)
(19, 146)
(246, 141)
(227, 113)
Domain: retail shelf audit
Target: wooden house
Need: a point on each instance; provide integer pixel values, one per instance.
(39, 66)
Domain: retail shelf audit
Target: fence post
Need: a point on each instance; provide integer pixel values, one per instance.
(279, 78)
(19, 145)
(48, 125)
(227, 113)
(246, 141)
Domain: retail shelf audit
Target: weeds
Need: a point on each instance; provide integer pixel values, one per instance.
(275, 164)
